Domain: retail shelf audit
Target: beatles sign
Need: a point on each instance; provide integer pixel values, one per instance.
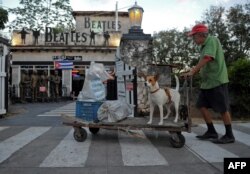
(103, 25)
(64, 37)
(90, 30)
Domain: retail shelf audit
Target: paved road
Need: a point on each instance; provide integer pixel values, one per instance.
(35, 141)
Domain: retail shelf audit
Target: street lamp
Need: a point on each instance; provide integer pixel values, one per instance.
(135, 50)
(135, 46)
(135, 16)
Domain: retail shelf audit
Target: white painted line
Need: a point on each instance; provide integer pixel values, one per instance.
(139, 151)
(68, 109)
(68, 153)
(14, 143)
(239, 136)
(2, 128)
(206, 150)
(68, 106)
(49, 115)
(61, 111)
(54, 115)
(247, 125)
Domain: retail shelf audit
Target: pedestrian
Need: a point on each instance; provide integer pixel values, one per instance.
(214, 83)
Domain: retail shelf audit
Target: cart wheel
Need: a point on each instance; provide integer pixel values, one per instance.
(94, 130)
(177, 140)
(80, 134)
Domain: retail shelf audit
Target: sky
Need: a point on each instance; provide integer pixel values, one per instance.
(158, 14)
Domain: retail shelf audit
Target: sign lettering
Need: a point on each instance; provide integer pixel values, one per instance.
(102, 24)
(52, 36)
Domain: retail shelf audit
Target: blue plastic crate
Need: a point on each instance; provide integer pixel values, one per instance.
(87, 110)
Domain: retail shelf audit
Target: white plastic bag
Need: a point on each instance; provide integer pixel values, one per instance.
(98, 71)
(114, 111)
(93, 87)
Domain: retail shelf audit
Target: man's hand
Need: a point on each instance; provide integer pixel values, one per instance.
(191, 72)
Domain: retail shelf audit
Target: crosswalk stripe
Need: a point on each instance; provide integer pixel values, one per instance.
(49, 115)
(58, 113)
(3, 127)
(139, 151)
(247, 125)
(203, 149)
(14, 143)
(239, 136)
(61, 111)
(136, 151)
(68, 153)
(68, 109)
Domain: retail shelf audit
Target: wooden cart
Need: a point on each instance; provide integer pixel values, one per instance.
(177, 140)
(138, 123)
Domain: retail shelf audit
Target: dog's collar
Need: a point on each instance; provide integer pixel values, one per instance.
(154, 91)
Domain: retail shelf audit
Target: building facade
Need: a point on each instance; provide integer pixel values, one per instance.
(96, 37)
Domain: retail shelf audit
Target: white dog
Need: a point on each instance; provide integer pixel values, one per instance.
(161, 97)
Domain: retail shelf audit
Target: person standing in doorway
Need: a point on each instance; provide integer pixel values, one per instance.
(214, 83)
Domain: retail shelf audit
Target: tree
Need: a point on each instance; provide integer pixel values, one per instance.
(239, 75)
(174, 47)
(238, 19)
(232, 27)
(3, 18)
(36, 14)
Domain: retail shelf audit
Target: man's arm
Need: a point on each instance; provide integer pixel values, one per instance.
(197, 68)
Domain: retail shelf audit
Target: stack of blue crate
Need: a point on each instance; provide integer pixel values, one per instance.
(87, 110)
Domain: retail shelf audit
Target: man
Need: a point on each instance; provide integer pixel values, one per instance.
(43, 85)
(55, 83)
(36, 34)
(106, 36)
(214, 80)
(24, 85)
(34, 81)
(23, 35)
(92, 37)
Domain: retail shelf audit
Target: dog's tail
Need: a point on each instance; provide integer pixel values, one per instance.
(177, 83)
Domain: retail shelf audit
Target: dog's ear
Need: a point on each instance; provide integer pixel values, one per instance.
(157, 76)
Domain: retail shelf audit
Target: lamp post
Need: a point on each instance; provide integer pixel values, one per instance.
(135, 46)
(135, 50)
